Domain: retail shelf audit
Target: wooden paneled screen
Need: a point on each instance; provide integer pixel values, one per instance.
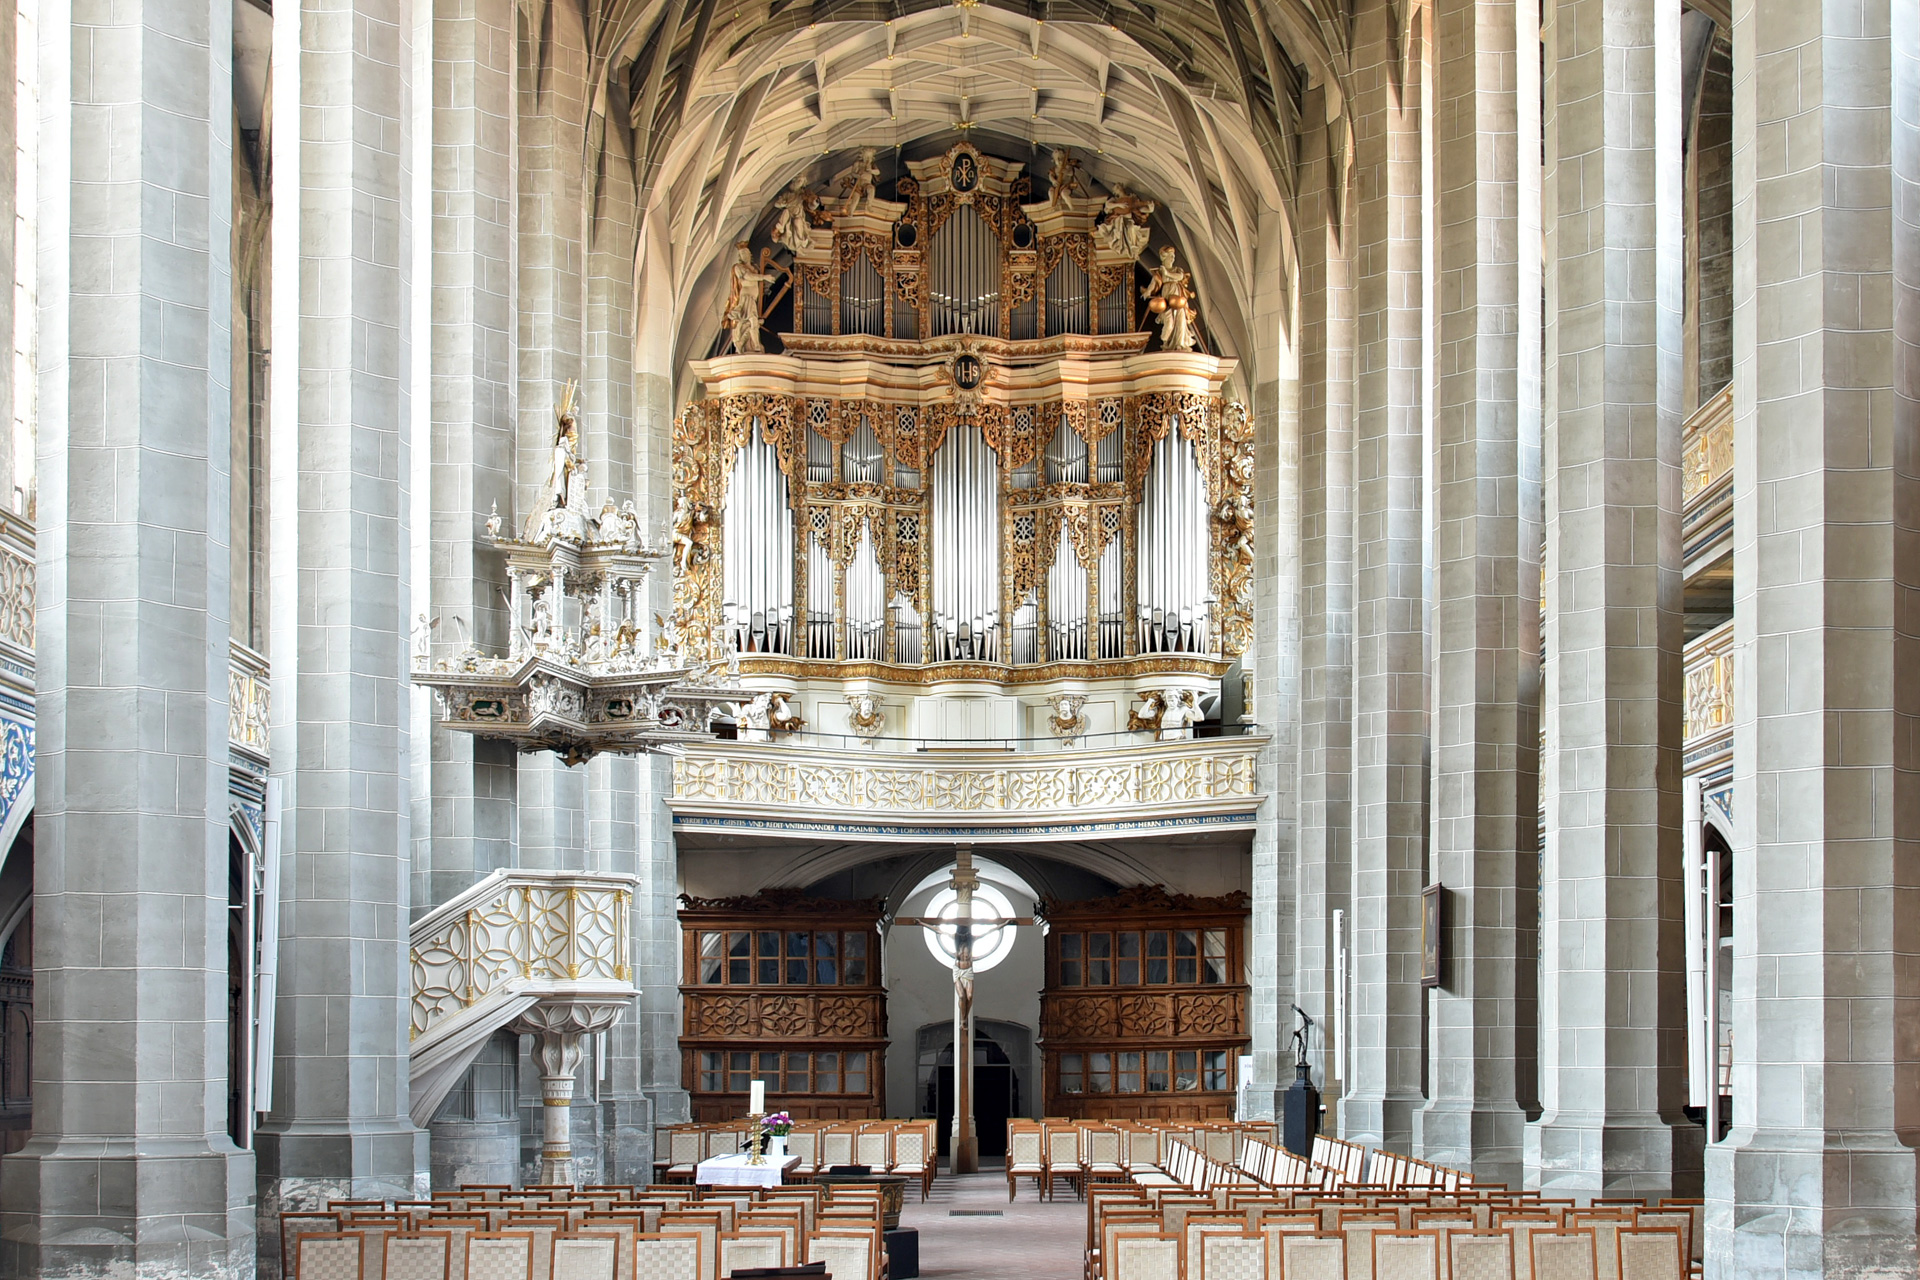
(783, 988)
(1144, 1012)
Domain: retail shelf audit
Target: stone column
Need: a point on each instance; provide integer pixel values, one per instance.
(464, 785)
(557, 1029)
(129, 1171)
(342, 175)
(1612, 1045)
(1818, 1175)
(1486, 618)
(1389, 709)
(1324, 866)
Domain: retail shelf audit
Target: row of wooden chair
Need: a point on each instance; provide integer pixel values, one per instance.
(906, 1148)
(1250, 1233)
(597, 1233)
(1082, 1152)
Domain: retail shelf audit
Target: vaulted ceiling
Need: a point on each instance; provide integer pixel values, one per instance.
(1192, 102)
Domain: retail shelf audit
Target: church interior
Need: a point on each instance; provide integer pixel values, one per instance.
(1102, 639)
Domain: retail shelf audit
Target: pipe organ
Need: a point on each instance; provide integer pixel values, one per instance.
(965, 461)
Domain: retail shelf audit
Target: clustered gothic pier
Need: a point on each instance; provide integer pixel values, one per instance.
(549, 554)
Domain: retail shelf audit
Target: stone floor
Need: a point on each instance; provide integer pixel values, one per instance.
(1029, 1238)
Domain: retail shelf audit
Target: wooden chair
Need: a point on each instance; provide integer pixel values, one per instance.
(1063, 1159)
(1651, 1253)
(804, 1143)
(740, 1250)
(836, 1147)
(419, 1255)
(1563, 1255)
(1484, 1255)
(704, 1227)
(1025, 1158)
(586, 1256)
(685, 1149)
(1224, 1256)
(1312, 1257)
(910, 1158)
(1145, 1257)
(870, 1147)
(299, 1222)
(1103, 1158)
(668, 1255)
(849, 1255)
(1406, 1255)
(500, 1255)
(330, 1255)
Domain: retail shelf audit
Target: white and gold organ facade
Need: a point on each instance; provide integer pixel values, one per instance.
(968, 469)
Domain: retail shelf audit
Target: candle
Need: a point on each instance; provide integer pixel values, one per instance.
(759, 1104)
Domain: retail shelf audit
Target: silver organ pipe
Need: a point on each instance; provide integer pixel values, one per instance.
(860, 456)
(1116, 309)
(757, 552)
(966, 548)
(816, 309)
(820, 577)
(1066, 604)
(1174, 607)
(1026, 631)
(906, 630)
(863, 299)
(819, 458)
(1109, 465)
(965, 280)
(1112, 607)
(866, 602)
(1067, 298)
(1066, 456)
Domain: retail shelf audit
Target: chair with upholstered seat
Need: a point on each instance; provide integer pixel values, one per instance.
(1025, 1158)
(500, 1255)
(685, 1149)
(1563, 1255)
(1486, 1255)
(330, 1255)
(667, 1255)
(1103, 1157)
(1229, 1256)
(849, 1255)
(836, 1148)
(1406, 1255)
(910, 1157)
(740, 1250)
(1063, 1159)
(418, 1255)
(870, 1148)
(1313, 1257)
(1651, 1253)
(586, 1255)
(1144, 1257)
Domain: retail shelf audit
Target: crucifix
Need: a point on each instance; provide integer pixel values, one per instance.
(961, 934)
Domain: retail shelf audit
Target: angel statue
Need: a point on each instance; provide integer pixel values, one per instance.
(1169, 295)
(794, 227)
(688, 515)
(859, 181)
(1063, 179)
(1122, 227)
(743, 302)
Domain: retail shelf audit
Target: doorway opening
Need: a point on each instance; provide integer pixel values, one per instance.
(1002, 1054)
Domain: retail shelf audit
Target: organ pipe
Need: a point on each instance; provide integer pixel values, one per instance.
(866, 602)
(860, 456)
(757, 552)
(966, 548)
(1066, 456)
(820, 590)
(1174, 608)
(1112, 609)
(1066, 605)
(965, 282)
(1067, 298)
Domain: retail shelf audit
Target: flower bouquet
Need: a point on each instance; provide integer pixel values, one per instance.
(773, 1131)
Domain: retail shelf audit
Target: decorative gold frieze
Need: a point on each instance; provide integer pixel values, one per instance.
(1135, 783)
(1706, 447)
(1709, 684)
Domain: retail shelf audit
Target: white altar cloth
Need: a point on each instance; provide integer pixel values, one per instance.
(734, 1171)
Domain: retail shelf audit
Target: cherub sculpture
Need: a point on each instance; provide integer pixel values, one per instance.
(794, 226)
(859, 181)
(1063, 179)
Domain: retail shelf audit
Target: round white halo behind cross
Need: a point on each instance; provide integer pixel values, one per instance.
(991, 942)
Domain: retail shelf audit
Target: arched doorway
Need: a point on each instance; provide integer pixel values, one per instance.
(1002, 1079)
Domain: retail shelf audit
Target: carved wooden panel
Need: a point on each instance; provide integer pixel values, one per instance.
(750, 1016)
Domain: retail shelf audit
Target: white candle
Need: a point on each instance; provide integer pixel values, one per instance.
(758, 1106)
